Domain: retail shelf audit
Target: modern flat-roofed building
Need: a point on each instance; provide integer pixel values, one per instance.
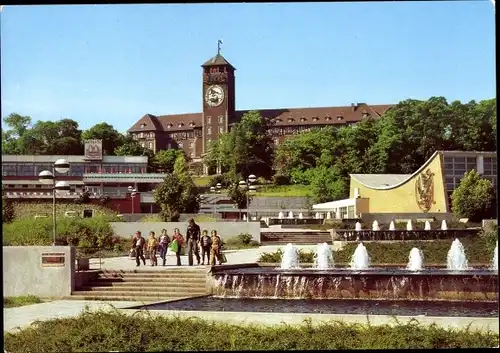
(425, 192)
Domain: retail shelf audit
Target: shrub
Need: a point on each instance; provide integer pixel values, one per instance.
(477, 250)
(245, 238)
(114, 331)
(82, 232)
(241, 241)
(12, 302)
(31, 209)
(151, 218)
(276, 257)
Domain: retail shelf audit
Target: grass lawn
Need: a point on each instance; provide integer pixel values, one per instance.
(201, 180)
(14, 302)
(283, 191)
(117, 332)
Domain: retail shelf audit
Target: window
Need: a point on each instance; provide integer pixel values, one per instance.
(340, 117)
(26, 169)
(191, 154)
(151, 145)
(169, 125)
(209, 131)
(143, 144)
(209, 141)
(315, 118)
(364, 115)
(209, 120)
(181, 145)
(221, 129)
(302, 119)
(191, 124)
(290, 120)
(221, 119)
(181, 124)
(191, 145)
(143, 125)
(328, 118)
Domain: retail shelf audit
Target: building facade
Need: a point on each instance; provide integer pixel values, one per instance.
(427, 191)
(193, 132)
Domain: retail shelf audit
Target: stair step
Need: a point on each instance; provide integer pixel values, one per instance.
(157, 290)
(115, 298)
(156, 276)
(131, 294)
(151, 283)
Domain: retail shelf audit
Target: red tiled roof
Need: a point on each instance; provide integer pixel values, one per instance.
(282, 117)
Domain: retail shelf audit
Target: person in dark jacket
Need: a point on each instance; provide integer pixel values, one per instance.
(140, 244)
(164, 243)
(192, 238)
(205, 243)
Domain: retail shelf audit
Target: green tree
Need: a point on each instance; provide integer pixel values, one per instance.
(473, 198)
(169, 196)
(190, 197)
(111, 139)
(246, 149)
(327, 185)
(238, 196)
(164, 160)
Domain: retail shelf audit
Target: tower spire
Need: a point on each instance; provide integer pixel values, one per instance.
(219, 42)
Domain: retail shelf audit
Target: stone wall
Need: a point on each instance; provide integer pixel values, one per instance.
(224, 229)
(25, 274)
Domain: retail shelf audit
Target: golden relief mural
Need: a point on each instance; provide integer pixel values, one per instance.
(424, 190)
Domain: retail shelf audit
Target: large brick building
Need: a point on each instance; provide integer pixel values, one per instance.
(193, 132)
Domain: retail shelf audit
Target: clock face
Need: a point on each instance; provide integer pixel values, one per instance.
(214, 96)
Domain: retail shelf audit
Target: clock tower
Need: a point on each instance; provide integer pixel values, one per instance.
(218, 98)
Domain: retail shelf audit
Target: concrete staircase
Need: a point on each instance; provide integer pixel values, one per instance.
(299, 238)
(144, 285)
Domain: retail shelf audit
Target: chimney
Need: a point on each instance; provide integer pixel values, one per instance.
(353, 107)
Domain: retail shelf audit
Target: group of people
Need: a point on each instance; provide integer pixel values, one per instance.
(211, 246)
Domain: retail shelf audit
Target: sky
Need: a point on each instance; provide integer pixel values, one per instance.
(115, 63)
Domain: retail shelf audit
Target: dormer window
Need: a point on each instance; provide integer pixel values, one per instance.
(169, 125)
(180, 124)
(315, 118)
(340, 117)
(143, 125)
(328, 118)
(278, 120)
(191, 124)
(303, 119)
(364, 115)
(290, 120)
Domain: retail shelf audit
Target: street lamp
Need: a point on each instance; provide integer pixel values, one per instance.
(49, 178)
(248, 184)
(133, 192)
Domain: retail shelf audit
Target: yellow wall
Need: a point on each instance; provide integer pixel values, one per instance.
(402, 199)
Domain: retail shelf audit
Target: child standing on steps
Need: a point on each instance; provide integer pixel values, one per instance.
(205, 243)
(153, 248)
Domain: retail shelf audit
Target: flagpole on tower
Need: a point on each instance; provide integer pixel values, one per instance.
(219, 42)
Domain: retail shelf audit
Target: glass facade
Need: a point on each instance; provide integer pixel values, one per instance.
(455, 168)
(76, 169)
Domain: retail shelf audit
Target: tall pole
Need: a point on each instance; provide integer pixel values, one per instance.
(54, 225)
(132, 198)
(248, 211)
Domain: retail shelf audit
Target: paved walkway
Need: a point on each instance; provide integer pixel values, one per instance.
(233, 257)
(20, 317)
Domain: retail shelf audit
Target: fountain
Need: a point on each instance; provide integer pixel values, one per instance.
(301, 216)
(337, 214)
(416, 260)
(375, 226)
(392, 226)
(409, 225)
(360, 259)
(328, 215)
(244, 217)
(323, 259)
(316, 215)
(358, 226)
(494, 262)
(427, 225)
(290, 259)
(290, 214)
(281, 215)
(456, 259)
(444, 226)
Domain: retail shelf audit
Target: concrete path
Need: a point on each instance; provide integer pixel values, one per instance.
(20, 317)
(233, 257)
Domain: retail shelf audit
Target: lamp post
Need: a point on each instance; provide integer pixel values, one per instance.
(248, 184)
(133, 193)
(46, 177)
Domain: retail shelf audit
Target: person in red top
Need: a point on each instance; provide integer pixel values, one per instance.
(180, 240)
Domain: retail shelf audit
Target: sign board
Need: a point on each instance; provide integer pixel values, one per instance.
(93, 150)
(53, 259)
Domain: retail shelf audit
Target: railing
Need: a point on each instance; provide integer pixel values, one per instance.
(84, 254)
(435, 234)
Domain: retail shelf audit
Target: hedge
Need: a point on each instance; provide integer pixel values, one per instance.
(112, 331)
(33, 208)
